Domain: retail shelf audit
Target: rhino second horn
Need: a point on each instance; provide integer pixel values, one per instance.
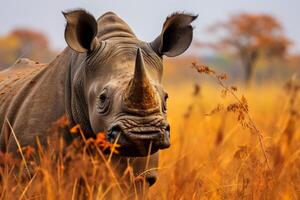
(139, 94)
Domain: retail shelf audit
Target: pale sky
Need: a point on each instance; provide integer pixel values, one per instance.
(144, 17)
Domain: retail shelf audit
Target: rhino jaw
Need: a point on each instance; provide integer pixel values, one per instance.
(139, 136)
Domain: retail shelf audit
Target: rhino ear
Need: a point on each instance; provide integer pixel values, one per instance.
(81, 30)
(176, 35)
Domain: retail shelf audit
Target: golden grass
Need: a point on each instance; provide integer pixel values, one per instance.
(199, 167)
(211, 155)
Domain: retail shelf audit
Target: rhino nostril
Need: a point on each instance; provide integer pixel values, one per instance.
(151, 180)
(113, 133)
(116, 128)
(167, 128)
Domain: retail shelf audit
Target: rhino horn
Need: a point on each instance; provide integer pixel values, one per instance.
(139, 94)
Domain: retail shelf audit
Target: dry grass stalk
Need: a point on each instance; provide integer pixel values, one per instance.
(20, 149)
(240, 107)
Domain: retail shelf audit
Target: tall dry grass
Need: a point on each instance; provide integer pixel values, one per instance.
(226, 143)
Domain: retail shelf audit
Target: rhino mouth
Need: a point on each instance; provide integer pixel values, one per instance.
(139, 137)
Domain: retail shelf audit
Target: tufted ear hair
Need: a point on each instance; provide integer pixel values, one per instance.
(81, 30)
(176, 35)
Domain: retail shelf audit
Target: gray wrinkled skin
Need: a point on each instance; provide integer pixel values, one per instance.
(107, 80)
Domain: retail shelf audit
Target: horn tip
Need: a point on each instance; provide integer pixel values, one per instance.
(139, 58)
(138, 51)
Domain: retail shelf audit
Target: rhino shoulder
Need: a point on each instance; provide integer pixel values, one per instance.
(21, 70)
(21, 66)
(23, 62)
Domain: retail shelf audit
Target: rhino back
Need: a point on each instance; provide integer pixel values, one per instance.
(31, 99)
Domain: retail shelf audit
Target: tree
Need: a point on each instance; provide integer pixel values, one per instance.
(251, 36)
(23, 42)
(8, 46)
(31, 42)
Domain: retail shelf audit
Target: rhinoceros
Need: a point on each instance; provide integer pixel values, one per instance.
(106, 80)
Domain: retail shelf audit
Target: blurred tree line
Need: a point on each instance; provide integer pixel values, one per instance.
(249, 47)
(254, 40)
(23, 42)
(250, 36)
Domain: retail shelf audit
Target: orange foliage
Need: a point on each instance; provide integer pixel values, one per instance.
(24, 43)
(30, 37)
(249, 36)
(249, 32)
(98, 142)
(294, 61)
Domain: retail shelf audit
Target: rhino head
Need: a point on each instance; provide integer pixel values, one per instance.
(117, 85)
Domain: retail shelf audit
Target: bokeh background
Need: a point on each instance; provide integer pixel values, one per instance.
(35, 28)
(213, 154)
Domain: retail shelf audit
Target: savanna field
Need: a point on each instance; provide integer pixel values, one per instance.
(214, 157)
(213, 154)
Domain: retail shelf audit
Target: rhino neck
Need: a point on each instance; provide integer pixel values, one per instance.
(75, 103)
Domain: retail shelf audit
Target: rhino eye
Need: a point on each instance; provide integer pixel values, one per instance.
(103, 102)
(102, 98)
(166, 96)
(164, 106)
